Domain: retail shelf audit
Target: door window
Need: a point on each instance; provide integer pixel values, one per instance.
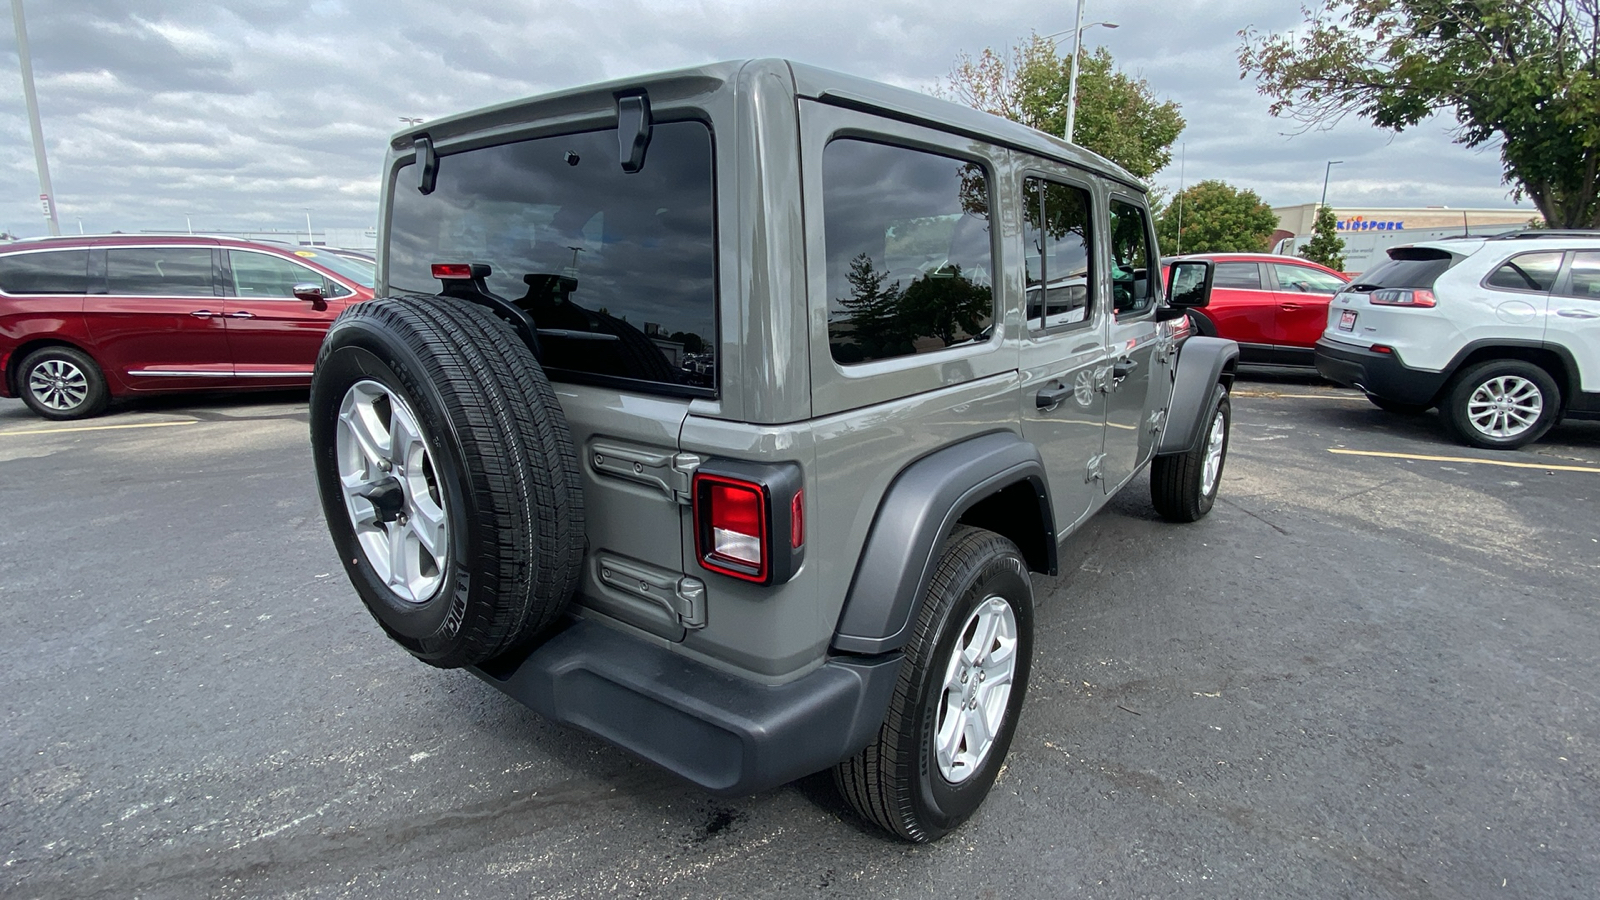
(55, 272)
(1527, 272)
(159, 272)
(1306, 280)
(259, 276)
(1058, 251)
(908, 249)
(1585, 275)
(1246, 275)
(1134, 281)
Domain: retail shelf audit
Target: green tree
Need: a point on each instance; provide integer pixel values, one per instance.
(1325, 246)
(1117, 117)
(1525, 73)
(867, 325)
(1217, 218)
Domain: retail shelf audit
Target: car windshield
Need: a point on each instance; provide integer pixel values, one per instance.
(359, 271)
(617, 269)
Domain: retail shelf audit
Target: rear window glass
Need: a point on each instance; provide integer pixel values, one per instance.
(1237, 275)
(909, 259)
(52, 272)
(1526, 272)
(1405, 273)
(618, 270)
(159, 272)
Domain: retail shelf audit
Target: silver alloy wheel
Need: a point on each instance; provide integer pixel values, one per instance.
(977, 688)
(1505, 406)
(58, 384)
(1213, 466)
(392, 491)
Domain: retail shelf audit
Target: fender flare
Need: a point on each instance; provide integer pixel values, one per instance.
(921, 506)
(1201, 364)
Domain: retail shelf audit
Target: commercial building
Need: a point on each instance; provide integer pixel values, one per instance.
(1368, 231)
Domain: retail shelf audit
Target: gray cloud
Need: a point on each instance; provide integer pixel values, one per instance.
(247, 115)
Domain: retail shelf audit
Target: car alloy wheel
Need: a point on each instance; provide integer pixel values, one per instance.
(977, 687)
(391, 491)
(1216, 442)
(58, 385)
(1505, 406)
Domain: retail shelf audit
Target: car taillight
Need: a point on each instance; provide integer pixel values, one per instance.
(1414, 297)
(749, 520)
(452, 270)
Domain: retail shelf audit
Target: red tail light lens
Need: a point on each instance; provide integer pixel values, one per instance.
(797, 521)
(1420, 298)
(452, 270)
(733, 538)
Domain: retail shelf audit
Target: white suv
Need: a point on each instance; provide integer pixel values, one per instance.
(1502, 334)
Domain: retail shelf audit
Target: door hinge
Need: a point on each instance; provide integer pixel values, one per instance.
(683, 468)
(1094, 472)
(691, 602)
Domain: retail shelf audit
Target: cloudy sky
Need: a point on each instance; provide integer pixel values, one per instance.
(244, 114)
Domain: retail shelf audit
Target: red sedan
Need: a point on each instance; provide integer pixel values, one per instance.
(85, 319)
(1276, 307)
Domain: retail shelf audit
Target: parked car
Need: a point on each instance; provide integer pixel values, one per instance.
(1273, 306)
(1502, 334)
(725, 413)
(85, 319)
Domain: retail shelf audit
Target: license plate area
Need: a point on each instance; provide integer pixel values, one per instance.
(1347, 320)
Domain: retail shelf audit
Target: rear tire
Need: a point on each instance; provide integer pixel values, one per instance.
(448, 477)
(62, 383)
(1183, 487)
(1502, 404)
(958, 696)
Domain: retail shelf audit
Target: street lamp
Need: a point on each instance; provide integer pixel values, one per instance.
(1072, 78)
(1325, 170)
(310, 241)
(411, 120)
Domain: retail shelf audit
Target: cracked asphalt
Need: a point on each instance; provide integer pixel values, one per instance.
(1361, 676)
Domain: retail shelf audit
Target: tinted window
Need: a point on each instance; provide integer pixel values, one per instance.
(1527, 272)
(618, 270)
(1056, 231)
(1132, 267)
(260, 275)
(1237, 275)
(159, 272)
(909, 263)
(54, 272)
(1406, 273)
(358, 270)
(1585, 275)
(1305, 279)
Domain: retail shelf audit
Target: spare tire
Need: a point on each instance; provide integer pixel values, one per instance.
(448, 477)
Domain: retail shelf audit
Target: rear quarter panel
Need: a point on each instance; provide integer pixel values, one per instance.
(27, 320)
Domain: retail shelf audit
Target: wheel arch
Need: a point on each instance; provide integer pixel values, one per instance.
(1202, 363)
(26, 348)
(995, 481)
(1553, 358)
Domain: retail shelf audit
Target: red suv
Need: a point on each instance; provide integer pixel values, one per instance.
(1276, 307)
(85, 319)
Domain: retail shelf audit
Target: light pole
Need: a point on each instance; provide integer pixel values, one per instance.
(411, 120)
(1072, 77)
(1325, 170)
(46, 192)
(310, 241)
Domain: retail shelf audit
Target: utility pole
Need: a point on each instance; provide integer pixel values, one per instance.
(1072, 79)
(46, 193)
(1325, 171)
(1183, 153)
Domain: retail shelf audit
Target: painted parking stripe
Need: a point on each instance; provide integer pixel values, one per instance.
(1467, 459)
(96, 428)
(1274, 395)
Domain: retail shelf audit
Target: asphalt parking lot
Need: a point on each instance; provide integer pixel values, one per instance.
(1369, 673)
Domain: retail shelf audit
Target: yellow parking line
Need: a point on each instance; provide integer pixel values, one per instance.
(1277, 396)
(1467, 459)
(96, 428)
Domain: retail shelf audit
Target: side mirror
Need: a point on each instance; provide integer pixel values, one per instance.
(1189, 283)
(309, 292)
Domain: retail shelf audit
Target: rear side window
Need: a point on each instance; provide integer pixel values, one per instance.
(618, 270)
(1585, 275)
(1527, 272)
(909, 256)
(1057, 244)
(51, 272)
(159, 272)
(1237, 275)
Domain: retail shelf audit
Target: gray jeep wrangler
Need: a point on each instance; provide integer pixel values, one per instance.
(724, 413)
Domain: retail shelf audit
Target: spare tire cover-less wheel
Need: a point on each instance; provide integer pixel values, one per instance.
(447, 475)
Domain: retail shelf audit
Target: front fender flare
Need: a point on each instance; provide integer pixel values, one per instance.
(1201, 364)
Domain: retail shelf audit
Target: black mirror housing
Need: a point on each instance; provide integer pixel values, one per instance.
(1189, 283)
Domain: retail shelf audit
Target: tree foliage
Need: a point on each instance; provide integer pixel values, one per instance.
(1117, 116)
(1325, 246)
(1523, 72)
(1217, 218)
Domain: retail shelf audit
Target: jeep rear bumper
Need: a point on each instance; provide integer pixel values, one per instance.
(1379, 374)
(727, 734)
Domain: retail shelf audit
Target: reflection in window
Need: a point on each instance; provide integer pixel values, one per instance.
(1132, 267)
(1586, 275)
(1245, 275)
(618, 270)
(1305, 280)
(53, 272)
(159, 272)
(908, 249)
(257, 276)
(1056, 231)
(1527, 272)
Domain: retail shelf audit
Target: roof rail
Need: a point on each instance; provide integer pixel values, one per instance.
(1536, 233)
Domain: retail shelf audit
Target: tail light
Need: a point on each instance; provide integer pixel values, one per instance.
(749, 520)
(1420, 298)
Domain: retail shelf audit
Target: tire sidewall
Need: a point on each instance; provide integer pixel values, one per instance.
(94, 400)
(1220, 406)
(355, 352)
(1475, 377)
(939, 803)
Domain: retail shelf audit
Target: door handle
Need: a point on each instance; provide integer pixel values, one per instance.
(1577, 314)
(1290, 306)
(1124, 367)
(1049, 397)
(241, 314)
(202, 314)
